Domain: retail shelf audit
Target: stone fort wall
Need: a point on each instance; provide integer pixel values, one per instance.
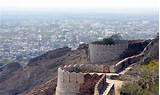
(90, 79)
(68, 82)
(100, 86)
(140, 58)
(106, 53)
(73, 81)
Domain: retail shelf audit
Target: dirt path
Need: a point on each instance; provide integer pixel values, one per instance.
(117, 85)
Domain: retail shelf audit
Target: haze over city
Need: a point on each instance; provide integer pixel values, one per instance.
(56, 22)
(79, 47)
(129, 6)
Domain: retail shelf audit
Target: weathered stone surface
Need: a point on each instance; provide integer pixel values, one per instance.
(90, 82)
(40, 75)
(105, 53)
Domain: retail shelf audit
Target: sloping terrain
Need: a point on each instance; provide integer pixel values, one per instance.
(143, 79)
(39, 77)
(39, 70)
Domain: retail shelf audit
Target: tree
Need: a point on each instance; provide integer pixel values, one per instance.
(116, 37)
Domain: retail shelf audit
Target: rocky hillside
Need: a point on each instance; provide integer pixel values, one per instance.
(49, 87)
(39, 77)
(40, 72)
(143, 79)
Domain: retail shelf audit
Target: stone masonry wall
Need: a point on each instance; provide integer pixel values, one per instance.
(142, 57)
(68, 82)
(100, 86)
(90, 80)
(106, 53)
(73, 81)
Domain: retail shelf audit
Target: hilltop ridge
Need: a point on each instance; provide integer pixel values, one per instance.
(39, 77)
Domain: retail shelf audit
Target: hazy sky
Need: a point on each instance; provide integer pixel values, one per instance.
(81, 4)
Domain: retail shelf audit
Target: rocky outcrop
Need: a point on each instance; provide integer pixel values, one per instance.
(47, 88)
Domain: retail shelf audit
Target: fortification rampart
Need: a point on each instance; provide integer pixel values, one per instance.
(104, 88)
(100, 86)
(90, 79)
(79, 78)
(106, 53)
(86, 68)
(142, 57)
(68, 82)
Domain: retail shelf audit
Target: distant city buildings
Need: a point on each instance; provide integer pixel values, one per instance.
(22, 38)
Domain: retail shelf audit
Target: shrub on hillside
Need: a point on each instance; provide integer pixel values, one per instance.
(147, 82)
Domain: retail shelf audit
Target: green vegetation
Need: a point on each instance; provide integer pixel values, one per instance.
(143, 80)
(105, 41)
(109, 41)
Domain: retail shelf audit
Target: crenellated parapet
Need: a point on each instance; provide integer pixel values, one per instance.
(90, 79)
(68, 82)
(100, 53)
(86, 68)
(78, 78)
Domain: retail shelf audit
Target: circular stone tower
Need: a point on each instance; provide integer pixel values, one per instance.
(79, 79)
(102, 53)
